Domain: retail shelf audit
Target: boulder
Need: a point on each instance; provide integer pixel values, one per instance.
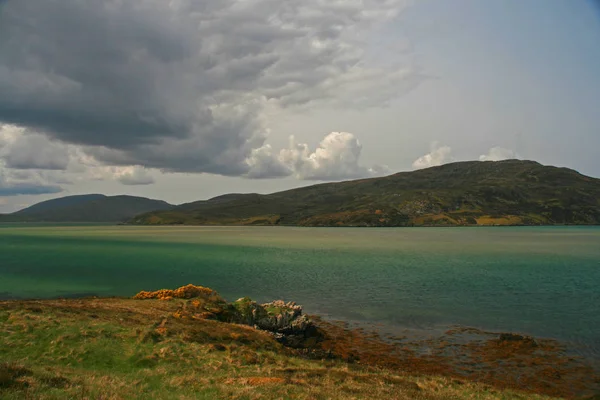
(284, 321)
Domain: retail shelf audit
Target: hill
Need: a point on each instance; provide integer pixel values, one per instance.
(86, 208)
(67, 201)
(510, 192)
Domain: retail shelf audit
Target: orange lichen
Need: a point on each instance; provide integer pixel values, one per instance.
(184, 292)
(196, 303)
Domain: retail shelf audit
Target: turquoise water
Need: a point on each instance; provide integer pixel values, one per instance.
(541, 281)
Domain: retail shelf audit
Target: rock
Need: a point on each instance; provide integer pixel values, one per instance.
(284, 321)
(283, 317)
(248, 312)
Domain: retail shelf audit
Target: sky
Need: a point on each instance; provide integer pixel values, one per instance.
(184, 100)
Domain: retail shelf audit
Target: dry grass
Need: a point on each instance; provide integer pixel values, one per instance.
(505, 220)
(129, 349)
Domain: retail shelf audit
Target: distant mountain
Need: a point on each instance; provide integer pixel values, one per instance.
(510, 192)
(61, 202)
(86, 208)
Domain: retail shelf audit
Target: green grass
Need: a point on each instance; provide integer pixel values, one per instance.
(272, 310)
(136, 349)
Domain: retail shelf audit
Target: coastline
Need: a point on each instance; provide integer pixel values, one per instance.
(504, 361)
(224, 225)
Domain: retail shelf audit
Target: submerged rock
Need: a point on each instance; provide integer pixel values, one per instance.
(516, 338)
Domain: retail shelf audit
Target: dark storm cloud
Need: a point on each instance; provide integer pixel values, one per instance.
(181, 86)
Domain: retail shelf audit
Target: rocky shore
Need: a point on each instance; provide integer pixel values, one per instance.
(191, 343)
(507, 360)
(284, 321)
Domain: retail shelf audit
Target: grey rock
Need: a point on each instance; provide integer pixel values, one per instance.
(284, 321)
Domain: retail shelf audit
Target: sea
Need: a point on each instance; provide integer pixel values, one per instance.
(540, 281)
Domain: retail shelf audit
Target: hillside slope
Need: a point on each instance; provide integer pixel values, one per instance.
(67, 201)
(510, 192)
(86, 208)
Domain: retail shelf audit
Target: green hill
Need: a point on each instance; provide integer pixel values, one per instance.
(510, 192)
(86, 208)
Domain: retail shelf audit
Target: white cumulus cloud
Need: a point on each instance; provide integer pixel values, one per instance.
(498, 154)
(264, 163)
(336, 157)
(133, 175)
(437, 156)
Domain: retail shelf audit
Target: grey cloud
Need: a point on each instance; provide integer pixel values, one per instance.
(55, 177)
(134, 176)
(182, 86)
(40, 177)
(35, 151)
(23, 183)
(27, 189)
(437, 156)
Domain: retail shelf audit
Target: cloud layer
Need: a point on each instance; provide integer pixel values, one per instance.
(183, 86)
(14, 183)
(31, 163)
(35, 151)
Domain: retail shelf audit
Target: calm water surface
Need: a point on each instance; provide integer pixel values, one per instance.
(541, 281)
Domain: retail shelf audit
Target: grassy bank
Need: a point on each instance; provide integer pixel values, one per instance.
(132, 349)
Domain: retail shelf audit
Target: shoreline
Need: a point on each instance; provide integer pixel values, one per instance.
(364, 226)
(118, 223)
(503, 360)
(385, 331)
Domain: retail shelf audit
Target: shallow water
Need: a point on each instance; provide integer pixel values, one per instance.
(540, 281)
